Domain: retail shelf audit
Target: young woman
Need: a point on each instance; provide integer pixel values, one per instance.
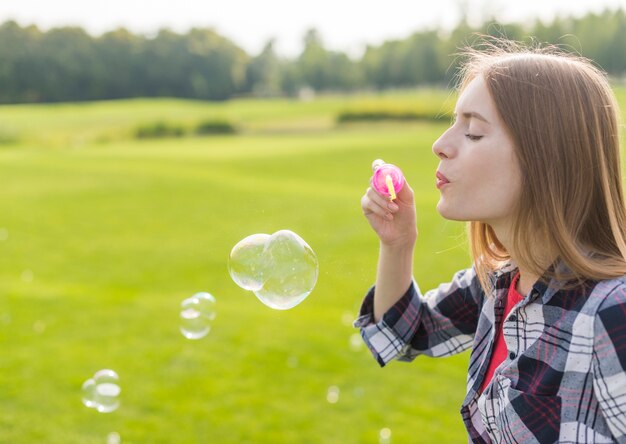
(532, 162)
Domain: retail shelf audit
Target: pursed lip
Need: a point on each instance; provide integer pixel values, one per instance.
(441, 180)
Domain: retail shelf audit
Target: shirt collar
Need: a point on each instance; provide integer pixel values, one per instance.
(559, 267)
(502, 278)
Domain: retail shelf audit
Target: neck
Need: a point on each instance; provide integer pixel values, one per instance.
(527, 278)
(525, 282)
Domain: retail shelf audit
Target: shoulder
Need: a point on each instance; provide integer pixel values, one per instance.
(609, 293)
(609, 338)
(608, 300)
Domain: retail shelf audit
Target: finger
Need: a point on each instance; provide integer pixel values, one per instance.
(406, 193)
(377, 197)
(370, 206)
(381, 201)
(377, 164)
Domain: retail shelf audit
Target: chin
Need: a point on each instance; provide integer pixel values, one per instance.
(450, 214)
(444, 212)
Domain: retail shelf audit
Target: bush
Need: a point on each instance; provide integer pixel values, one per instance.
(7, 138)
(159, 130)
(215, 127)
(381, 115)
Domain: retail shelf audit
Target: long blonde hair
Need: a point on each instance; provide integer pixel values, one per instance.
(564, 120)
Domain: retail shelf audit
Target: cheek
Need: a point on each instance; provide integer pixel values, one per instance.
(484, 175)
(490, 185)
(497, 167)
(506, 191)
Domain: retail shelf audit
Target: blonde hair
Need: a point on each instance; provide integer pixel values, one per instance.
(564, 121)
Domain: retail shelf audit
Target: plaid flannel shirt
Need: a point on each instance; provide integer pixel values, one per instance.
(564, 379)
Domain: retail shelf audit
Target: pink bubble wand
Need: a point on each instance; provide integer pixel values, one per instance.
(387, 179)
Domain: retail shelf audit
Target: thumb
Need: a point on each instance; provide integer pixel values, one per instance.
(405, 195)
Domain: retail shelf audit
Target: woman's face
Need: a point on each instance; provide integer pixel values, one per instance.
(478, 176)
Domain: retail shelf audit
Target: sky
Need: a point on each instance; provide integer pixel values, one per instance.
(344, 25)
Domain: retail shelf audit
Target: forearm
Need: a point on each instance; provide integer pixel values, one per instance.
(394, 275)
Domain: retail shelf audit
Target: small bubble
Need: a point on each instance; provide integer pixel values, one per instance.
(4, 234)
(384, 436)
(356, 342)
(39, 326)
(292, 361)
(332, 396)
(27, 276)
(114, 438)
(5, 318)
(196, 315)
(347, 318)
(101, 391)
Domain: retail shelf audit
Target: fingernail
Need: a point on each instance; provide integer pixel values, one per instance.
(392, 206)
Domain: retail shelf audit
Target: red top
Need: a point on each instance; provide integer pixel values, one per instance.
(500, 351)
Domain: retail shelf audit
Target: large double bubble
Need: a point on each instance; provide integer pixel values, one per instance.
(281, 269)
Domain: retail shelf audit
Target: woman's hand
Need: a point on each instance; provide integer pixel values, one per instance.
(393, 221)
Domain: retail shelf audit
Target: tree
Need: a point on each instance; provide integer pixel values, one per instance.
(68, 64)
(264, 74)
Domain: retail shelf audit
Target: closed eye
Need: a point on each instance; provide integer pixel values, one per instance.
(473, 137)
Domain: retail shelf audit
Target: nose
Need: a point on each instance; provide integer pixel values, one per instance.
(442, 147)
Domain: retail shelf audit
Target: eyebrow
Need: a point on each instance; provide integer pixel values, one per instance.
(474, 114)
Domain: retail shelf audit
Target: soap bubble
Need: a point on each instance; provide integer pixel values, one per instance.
(101, 391)
(247, 265)
(5, 318)
(384, 436)
(347, 318)
(292, 361)
(89, 393)
(39, 326)
(358, 392)
(27, 276)
(332, 395)
(293, 274)
(356, 342)
(283, 273)
(114, 438)
(196, 315)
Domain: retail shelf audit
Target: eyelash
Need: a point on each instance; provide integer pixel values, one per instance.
(473, 138)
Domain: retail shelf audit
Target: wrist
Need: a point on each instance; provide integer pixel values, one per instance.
(399, 246)
(402, 252)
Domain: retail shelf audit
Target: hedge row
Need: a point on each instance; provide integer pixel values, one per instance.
(167, 129)
(371, 116)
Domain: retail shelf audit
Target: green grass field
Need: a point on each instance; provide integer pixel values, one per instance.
(102, 236)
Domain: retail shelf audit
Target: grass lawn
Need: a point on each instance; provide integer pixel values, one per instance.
(102, 236)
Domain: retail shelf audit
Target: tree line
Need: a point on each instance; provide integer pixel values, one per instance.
(68, 64)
